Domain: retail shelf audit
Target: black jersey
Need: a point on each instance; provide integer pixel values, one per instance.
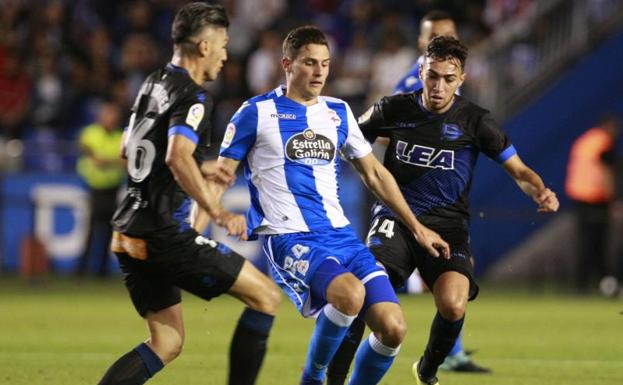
(169, 103)
(432, 156)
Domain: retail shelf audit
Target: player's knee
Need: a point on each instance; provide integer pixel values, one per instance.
(453, 309)
(393, 329)
(168, 346)
(346, 293)
(270, 301)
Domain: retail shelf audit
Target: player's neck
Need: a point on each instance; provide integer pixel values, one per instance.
(296, 96)
(194, 70)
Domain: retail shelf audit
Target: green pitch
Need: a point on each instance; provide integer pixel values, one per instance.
(69, 332)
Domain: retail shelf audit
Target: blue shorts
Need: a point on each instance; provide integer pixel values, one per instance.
(295, 258)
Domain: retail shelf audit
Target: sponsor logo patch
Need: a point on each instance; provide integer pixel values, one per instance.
(310, 148)
(230, 132)
(195, 114)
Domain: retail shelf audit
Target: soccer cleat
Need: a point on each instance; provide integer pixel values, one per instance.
(419, 380)
(462, 363)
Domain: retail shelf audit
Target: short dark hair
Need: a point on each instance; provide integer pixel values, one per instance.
(447, 47)
(435, 15)
(301, 36)
(193, 17)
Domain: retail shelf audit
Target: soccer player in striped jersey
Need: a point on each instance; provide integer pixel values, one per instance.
(290, 141)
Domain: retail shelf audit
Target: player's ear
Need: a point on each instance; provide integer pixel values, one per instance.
(461, 78)
(286, 64)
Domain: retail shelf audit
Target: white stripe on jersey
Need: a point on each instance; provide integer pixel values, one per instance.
(266, 161)
(325, 175)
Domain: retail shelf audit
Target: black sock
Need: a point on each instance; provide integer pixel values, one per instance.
(443, 335)
(340, 363)
(248, 347)
(133, 368)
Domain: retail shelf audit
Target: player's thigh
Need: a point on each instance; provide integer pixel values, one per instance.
(204, 267)
(389, 241)
(256, 290)
(460, 263)
(149, 287)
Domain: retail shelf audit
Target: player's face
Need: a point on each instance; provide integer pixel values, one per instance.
(440, 78)
(307, 73)
(431, 29)
(214, 49)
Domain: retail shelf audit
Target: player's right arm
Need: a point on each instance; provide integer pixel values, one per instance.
(382, 183)
(183, 166)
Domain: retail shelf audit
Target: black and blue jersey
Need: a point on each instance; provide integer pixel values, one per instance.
(432, 156)
(169, 103)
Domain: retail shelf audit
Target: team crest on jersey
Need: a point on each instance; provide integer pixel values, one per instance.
(310, 148)
(425, 156)
(195, 114)
(450, 132)
(230, 132)
(334, 117)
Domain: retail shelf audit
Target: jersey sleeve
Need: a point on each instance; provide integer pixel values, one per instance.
(372, 123)
(355, 146)
(191, 117)
(492, 141)
(241, 132)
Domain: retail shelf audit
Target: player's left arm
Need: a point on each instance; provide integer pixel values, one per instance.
(221, 177)
(382, 183)
(531, 184)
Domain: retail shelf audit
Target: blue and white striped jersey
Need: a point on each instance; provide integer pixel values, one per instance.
(291, 158)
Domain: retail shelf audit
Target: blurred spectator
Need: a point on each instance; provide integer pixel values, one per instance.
(590, 184)
(139, 56)
(388, 65)
(15, 93)
(102, 170)
(354, 73)
(47, 107)
(264, 71)
(499, 11)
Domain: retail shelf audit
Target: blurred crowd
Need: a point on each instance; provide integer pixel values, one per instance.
(60, 60)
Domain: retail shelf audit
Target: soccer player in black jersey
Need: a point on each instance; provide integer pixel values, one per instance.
(158, 250)
(435, 137)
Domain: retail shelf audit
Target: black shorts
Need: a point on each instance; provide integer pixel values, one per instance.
(169, 263)
(393, 244)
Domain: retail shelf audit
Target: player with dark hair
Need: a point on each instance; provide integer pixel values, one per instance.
(289, 141)
(433, 164)
(434, 23)
(158, 250)
(435, 137)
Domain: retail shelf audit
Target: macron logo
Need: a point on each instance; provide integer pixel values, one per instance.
(284, 116)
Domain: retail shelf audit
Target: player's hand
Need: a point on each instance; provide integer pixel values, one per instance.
(547, 201)
(212, 171)
(235, 224)
(432, 242)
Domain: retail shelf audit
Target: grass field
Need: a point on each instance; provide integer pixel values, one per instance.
(68, 332)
